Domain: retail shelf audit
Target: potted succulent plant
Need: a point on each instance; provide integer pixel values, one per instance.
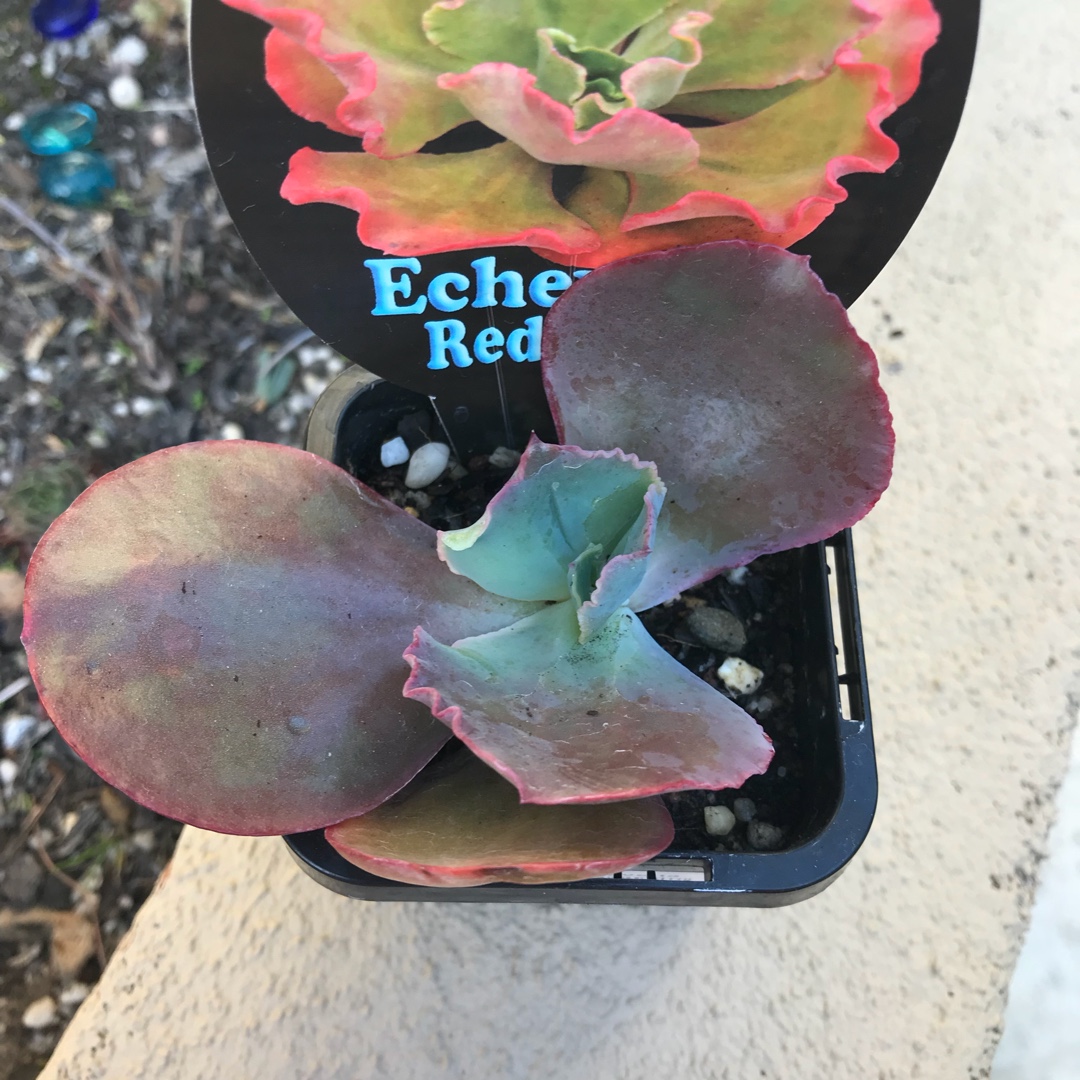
(242, 636)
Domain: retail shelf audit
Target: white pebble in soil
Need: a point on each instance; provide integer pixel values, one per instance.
(71, 997)
(739, 676)
(9, 771)
(143, 406)
(40, 1014)
(502, 457)
(125, 92)
(427, 464)
(719, 820)
(232, 431)
(764, 837)
(129, 52)
(393, 452)
(17, 729)
(744, 809)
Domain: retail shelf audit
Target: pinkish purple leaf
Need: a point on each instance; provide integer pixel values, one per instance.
(218, 628)
(568, 721)
(732, 368)
(459, 823)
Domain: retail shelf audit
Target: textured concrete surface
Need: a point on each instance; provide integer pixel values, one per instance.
(1041, 1040)
(239, 967)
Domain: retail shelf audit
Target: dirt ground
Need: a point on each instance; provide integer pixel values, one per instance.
(124, 328)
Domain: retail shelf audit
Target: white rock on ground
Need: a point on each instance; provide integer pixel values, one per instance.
(719, 820)
(427, 464)
(393, 452)
(39, 1014)
(125, 92)
(238, 965)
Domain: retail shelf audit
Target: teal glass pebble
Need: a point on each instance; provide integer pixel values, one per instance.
(59, 130)
(78, 178)
(59, 19)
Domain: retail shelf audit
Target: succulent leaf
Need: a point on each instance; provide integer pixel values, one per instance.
(441, 202)
(380, 54)
(746, 385)
(613, 717)
(217, 629)
(756, 44)
(560, 503)
(907, 29)
(464, 825)
(491, 30)
(306, 85)
(506, 99)
(779, 167)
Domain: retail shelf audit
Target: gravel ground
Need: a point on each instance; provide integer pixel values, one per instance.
(123, 329)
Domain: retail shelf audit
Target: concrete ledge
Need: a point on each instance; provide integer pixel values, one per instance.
(240, 967)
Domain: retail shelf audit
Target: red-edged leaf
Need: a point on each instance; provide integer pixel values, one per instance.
(377, 49)
(778, 168)
(441, 202)
(463, 825)
(505, 98)
(762, 43)
(907, 29)
(304, 82)
(217, 629)
(732, 368)
(614, 717)
(601, 199)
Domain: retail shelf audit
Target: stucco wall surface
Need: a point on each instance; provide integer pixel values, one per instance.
(240, 967)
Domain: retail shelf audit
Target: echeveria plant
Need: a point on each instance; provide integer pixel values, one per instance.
(243, 636)
(686, 120)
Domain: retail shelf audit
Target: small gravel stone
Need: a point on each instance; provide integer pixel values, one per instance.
(427, 464)
(738, 575)
(8, 772)
(17, 729)
(125, 92)
(129, 51)
(40, 1014)
(143, 406)
(744, 809)
(719, 820)
(232, 431)
(120, 408)
(11, 593)
(763, 836)
(21, 880)
(74, 995)
(718, 629)
(502, 457)
(143, 839)
(393, 452)
(739, 676)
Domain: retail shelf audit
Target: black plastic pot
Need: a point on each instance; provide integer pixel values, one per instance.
(840, 779)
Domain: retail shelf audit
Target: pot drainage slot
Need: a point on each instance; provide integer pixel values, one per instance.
(666, 870)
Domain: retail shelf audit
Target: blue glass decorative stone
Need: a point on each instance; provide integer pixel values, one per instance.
(60, 129)
(78, 178)
(63, 18)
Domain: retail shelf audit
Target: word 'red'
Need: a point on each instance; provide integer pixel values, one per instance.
(453, 291)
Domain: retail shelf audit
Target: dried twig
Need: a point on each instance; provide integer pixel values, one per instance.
(90, 901)
(34, 816)
(137, 337)
(13, 688)
(63, 253)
